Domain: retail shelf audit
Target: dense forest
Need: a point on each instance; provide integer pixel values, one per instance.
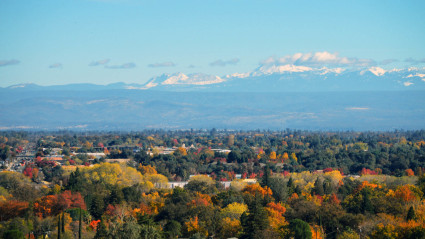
(243, 184)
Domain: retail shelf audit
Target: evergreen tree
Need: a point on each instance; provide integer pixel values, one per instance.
(298, 190)
(116, 196)
(255, 221)
(279, 189)
(265, 180)
(172, 229)
(101, 232)
(290, 186)
(366, 205)
(63, 222)
(410, 214)
(97, 206)
(59, 226)
(130, 229)
(318, 187)
(421, 184)
(75, 181)
(299, 229)
(79, 225)
(327, 187)
(13, 234)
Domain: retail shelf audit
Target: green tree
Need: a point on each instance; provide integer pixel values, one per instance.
(79, 225)
(299, 229)
(172, 229)
(13, 234)
(59, 226)
(279, 188)
(101, 232)
(327, 186)
(97, 206)
(318, 187)
(410, 214)
(255, 221)
(116, 196)
(421, 184)
(291, 186)
(366, 205)
(265, 180)
(63, 222)
(130, 229)
(148, 228)
(76, 181)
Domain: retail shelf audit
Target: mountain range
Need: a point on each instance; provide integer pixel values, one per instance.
(270, 97)
(272, 78)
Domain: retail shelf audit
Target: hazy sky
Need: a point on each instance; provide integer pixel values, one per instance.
(72, 41)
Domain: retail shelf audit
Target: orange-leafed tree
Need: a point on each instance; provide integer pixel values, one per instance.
(193, 227)
(256, 189)
(316, 232)
(147, 169)
(181, 151)
(334, 199)
(47, 206)
(200, 200)
(409, 172)
(272, 155)
(12, 209)
(404, 193)
(369, 185)
(229, 227)
(285, 157)
(93, 224)
(275, 212)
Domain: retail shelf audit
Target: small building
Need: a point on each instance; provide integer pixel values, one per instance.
(250, 180)
(117, 160)
(177, 184)
(226, 184)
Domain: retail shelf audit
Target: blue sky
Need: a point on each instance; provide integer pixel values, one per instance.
(53, 42)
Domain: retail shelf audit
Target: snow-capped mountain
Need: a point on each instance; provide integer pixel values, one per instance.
(291, 77)
(270, 78)
(182, 79)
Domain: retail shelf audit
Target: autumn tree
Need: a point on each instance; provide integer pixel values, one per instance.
(69, 200)
(234, 210)
(12, 209)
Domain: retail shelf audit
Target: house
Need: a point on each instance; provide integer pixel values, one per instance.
(177, 184)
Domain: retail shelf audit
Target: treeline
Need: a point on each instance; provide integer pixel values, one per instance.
(389, 153)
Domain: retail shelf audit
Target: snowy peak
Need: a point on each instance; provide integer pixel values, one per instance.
(378, 71)
(273, 69)
(182, 79)
(24, 86)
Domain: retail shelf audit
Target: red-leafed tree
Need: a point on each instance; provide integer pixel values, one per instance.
(28, 171)
(327, 170)
(366, 171)
(69, 200)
